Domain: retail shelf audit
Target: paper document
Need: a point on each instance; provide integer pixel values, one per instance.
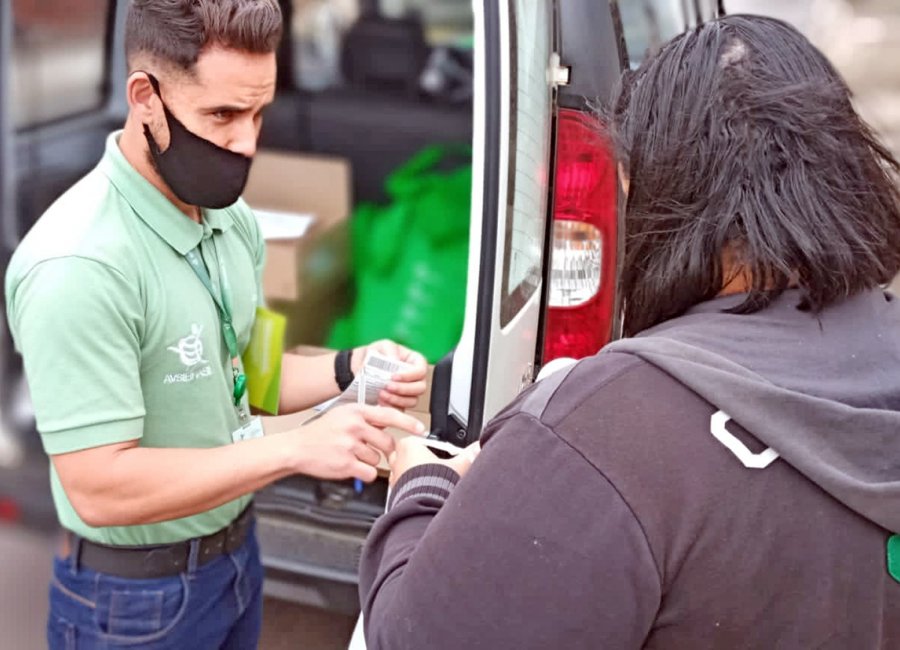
(276, 225)
(447, 447)
(374, 376)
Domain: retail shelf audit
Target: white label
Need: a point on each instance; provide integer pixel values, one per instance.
(375, 375)
(252, 429)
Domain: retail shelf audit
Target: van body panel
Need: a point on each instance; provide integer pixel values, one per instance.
(496, 356)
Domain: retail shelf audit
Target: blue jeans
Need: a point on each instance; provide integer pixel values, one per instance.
(214, 606)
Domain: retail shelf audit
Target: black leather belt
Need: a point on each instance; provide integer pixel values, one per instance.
(162, 561)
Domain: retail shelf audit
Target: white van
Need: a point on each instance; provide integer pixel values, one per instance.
(544, 222)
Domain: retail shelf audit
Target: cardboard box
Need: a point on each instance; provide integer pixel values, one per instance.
(306, 274)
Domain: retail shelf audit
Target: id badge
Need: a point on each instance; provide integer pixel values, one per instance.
(251, 429)
(262, 360)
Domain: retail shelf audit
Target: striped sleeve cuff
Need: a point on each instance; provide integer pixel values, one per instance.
(434, 480)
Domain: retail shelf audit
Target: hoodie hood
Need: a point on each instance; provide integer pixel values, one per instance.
(822, 390)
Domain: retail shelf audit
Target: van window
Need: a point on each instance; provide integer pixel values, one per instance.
(446, 22)
(530, 122)
(316, 31)
(648, 24)
(59, 56)
(318, 27)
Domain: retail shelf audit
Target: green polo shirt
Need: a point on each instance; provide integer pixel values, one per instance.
(121, 340)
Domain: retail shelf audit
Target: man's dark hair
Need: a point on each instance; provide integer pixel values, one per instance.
(175, 32)
(740, 140)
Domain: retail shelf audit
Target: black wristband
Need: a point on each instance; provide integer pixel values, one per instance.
(343, 374)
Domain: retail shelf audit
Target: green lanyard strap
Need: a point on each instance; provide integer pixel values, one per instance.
(224, 308)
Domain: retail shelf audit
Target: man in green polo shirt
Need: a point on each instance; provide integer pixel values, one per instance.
(131, 301)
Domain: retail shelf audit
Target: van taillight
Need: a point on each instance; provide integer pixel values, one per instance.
(9, 510)
(581, 296)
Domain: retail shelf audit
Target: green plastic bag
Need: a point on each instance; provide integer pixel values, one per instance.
(410, 257)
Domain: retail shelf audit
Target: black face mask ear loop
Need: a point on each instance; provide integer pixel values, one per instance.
(154, 83)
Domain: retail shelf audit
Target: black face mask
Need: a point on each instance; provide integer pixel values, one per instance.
(198, 171)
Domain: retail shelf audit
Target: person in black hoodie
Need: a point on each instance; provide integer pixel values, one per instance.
(728, 476)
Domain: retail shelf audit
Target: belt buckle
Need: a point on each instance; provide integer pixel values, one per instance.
(213, 547)
(164, 560)
(233, 535)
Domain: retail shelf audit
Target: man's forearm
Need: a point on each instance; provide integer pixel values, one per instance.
(145, 485)
(306, 381)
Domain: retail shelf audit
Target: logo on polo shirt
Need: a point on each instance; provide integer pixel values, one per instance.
(190, 353)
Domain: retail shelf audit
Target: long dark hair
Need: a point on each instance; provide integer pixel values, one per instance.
(741, 142)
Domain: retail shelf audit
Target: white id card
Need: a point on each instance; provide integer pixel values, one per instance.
(251, 429)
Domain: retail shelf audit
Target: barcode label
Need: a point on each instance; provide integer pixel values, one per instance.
(383, 364)
(371, 380)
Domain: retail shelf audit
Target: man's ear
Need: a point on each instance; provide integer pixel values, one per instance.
(141, 97)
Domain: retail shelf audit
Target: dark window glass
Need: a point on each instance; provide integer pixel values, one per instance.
(648, 24)
(59, 56)
(318, 28)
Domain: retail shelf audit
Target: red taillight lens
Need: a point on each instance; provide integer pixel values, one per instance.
(581, 296)
(9, 510)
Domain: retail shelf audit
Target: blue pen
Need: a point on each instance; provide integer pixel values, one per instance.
(360, 399)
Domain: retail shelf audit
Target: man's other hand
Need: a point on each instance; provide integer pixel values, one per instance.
(405, 387)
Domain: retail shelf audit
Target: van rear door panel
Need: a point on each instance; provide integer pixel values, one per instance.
(513, 124)
(523, 49)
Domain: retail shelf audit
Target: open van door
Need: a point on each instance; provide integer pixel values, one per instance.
(539, 166)
(513, 117)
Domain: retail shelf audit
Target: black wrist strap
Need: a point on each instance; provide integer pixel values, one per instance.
(343, 375)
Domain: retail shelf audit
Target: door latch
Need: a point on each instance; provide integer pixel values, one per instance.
(558, 74)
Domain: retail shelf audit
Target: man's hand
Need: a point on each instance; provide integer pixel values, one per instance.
(347, 442)
(405, 387)
(412, 452)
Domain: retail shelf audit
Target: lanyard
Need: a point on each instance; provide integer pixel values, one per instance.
(223, 304)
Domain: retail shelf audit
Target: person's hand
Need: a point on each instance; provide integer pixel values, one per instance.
(412, 452)
(405, 387)
(348, 441)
